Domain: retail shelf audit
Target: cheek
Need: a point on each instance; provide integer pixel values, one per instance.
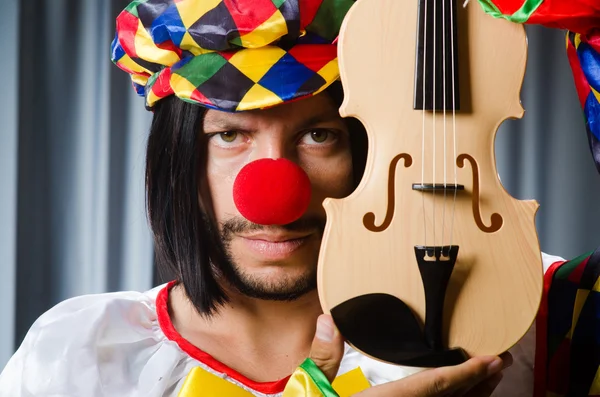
(220, 176)
(331, 178)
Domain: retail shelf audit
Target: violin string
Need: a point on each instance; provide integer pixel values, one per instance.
(444, 93)
(434, 109)
(423, 130)
(453, 121)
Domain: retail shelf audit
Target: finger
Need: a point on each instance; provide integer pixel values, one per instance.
(440, 381)
(327, 347)
(464, 376)
(507, 361)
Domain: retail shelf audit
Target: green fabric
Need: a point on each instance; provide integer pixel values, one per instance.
(132, 8)
(565, 270)
(319, 378)
(329, 18)
(208, 65)
(520, 16)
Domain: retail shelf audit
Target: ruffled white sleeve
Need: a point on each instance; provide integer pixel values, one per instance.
(97, 345)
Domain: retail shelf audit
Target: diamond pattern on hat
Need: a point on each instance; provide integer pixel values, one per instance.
(256, 64)
(198, 97)
(167, 26)
(128, 25)
(248, 15)
(150, 10)
(258, 95)
(191, 11)
(200, 69)
(329, 18)
(331, 71)
(147, 49)
(227, 87)
(188, 44)
(215, 46)
(291, 11)
(161, 86)
(268, 32)
(132, 7)
(315, 56)
(215, 29)
(312, 85)
(286, 77)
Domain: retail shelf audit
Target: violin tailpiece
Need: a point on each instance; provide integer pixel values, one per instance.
(384, 327)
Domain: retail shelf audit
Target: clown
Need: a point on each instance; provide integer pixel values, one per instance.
(245, 144)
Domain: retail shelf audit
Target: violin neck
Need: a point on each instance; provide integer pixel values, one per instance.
(436, 63)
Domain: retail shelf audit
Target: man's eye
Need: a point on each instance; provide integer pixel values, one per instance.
(317, 136)
(229, 136)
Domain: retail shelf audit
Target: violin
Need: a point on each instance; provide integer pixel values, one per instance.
(430, 260)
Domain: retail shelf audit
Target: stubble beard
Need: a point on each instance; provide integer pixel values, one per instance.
(284, 289)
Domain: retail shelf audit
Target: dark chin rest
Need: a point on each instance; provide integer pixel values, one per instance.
(384, 327)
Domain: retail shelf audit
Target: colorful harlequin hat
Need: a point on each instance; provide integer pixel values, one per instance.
(230, 55)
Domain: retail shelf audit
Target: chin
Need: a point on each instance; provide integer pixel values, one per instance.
(275, 283)
(285, 279)
(271, 262)
(275, 271)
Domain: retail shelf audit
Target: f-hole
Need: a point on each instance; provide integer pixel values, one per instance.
(369, 218)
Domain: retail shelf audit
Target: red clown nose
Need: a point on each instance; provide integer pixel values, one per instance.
(272, 192)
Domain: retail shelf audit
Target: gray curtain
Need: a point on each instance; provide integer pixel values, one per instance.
(72, 144)
(545, 155)
(73, 219)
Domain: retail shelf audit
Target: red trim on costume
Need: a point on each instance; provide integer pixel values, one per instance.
(559, 369)
(541, 335)
(164, 320)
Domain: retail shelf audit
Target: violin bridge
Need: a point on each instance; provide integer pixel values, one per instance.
(433, 254)
(435, 187)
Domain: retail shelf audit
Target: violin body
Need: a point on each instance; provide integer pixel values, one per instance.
(369, 247)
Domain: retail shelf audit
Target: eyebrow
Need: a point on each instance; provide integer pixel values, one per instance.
(227, 124)
(220, 124)
(319, 118)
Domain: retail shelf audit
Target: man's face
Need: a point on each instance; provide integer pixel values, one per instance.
(277, 262)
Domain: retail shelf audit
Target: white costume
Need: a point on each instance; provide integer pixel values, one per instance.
(124, 344)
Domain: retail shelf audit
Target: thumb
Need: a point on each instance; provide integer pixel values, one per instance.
(327, 347)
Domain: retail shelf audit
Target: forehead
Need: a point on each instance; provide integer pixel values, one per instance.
(319, 108)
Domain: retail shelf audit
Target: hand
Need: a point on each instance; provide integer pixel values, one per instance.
(477, 377)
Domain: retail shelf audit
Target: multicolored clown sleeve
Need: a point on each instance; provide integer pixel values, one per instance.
(581, 18)
(583, 51)
(567, 361)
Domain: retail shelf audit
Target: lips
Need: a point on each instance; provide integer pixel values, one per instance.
(273, 246)
(276, 237)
